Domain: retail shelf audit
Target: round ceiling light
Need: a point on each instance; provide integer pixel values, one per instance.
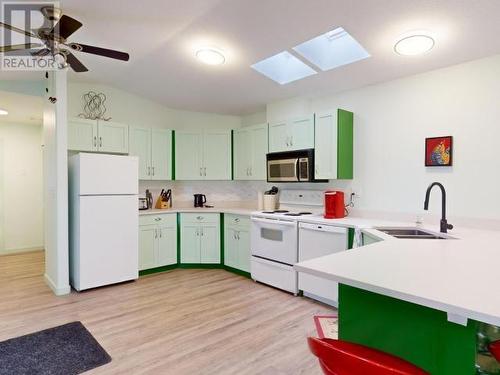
(413, 45)
(210, 56)
(3, 112)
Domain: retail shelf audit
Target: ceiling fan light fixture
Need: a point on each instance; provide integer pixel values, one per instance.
(413, 45)
(210, 56)
(3, 112)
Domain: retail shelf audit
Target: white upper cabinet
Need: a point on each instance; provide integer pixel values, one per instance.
(334, 145)
(97, 136)
(217, 155)
(278, 137)
(250, 149)
(326, 146)
(154, 149)
(113, 137)
(295, 134)
(161, 154)
(82, 135)
(203, 155)
(140, 146)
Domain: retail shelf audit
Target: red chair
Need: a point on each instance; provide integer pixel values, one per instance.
(338, 357)
(495, 349)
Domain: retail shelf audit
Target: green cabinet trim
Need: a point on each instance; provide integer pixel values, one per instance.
(173, 155)
(222, 240)
(345, 145)
(415, 333)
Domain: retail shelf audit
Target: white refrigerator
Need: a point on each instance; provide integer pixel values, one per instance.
(103, 219)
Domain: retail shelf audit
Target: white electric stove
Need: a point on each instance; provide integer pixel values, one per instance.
(274, 238)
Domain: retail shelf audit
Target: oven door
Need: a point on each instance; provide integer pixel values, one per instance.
(274, 240)
(282, 170)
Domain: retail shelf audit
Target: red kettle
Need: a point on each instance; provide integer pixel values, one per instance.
(334, 204)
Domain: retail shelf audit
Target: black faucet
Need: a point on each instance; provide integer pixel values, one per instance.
(444, 224)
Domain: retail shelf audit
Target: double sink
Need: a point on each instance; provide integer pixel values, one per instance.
(413, 233)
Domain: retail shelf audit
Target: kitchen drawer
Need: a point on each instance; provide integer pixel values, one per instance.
(237, 221)
(275, 274)
(200, 218)
(163, 219)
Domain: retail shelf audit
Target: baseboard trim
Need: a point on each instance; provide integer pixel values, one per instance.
(22, 250)
(57, 291)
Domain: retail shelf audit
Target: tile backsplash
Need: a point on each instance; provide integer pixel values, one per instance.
(217, 192)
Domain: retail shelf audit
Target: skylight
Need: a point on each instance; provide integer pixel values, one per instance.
(332, 49)
(283, 68)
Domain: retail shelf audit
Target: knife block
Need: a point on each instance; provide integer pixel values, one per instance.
(162, 204)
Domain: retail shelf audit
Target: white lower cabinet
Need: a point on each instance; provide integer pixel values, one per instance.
(200, 238)
(237, 242)
(157, 241)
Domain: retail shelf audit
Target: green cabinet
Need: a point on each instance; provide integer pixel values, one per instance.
(97, 136)
(334, 145)
(295, 134)
(153, 147)
(250, 149)
(203, 155)
(200, 238)
(237, 242)
(157, 241)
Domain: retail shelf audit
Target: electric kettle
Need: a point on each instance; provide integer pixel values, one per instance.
(200, 200)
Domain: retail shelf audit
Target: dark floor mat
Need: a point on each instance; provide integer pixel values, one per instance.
(65, 350)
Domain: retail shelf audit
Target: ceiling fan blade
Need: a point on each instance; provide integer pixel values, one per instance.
(100, 51)
(66, 26)
(75, 64)
(18, 30)
(41, 52)
(19, 47)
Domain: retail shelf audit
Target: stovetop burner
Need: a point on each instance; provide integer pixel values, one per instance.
(298, 213)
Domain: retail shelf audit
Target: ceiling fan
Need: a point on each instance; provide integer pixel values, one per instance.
(55, 43)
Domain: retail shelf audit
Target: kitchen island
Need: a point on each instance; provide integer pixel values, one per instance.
(419, 299)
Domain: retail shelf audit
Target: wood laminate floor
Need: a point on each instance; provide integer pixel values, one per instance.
(178, 322)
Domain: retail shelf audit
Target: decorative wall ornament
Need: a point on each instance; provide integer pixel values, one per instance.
(94, 107)
(439, 151)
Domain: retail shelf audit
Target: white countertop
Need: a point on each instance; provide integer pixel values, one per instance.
(459, 276)
(223, 210)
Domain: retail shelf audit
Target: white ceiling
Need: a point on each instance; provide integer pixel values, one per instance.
(23, 109)
(161, 36)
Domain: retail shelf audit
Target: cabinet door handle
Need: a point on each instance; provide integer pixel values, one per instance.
(100, 141)
(238, 235)
(234, 235)
(287, 144)
(237, 220)
(291, 141)
(251, 172)
(95, 141)
(156, 233)
(153, 168)
(205, 171)
(149, 171)
(202, 232)
(199, 217)
(201, 171)
(160, 233)
(157, 219)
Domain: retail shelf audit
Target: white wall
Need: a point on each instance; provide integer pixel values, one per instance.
(137, 111)
(21, 180)
(393, 119)
(254, 119)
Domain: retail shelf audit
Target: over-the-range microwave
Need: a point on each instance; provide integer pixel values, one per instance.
(291, 166)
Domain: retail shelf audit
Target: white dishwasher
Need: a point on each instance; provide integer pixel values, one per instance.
(317, 240)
